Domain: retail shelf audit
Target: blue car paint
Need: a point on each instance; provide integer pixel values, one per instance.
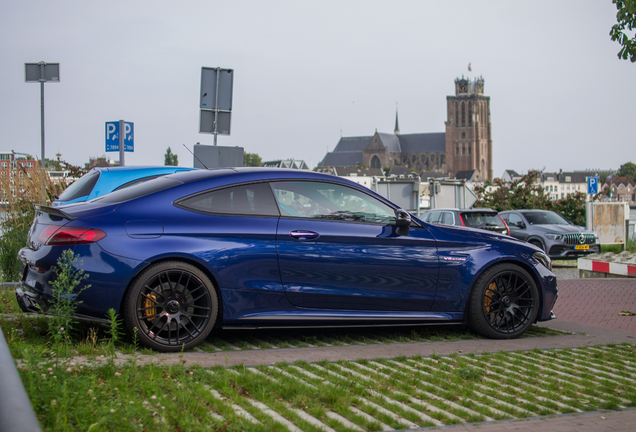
(242, 255)
(111, 178)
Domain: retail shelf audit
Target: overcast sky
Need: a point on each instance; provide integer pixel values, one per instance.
(306, 72)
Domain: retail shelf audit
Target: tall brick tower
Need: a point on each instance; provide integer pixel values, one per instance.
(468, 139)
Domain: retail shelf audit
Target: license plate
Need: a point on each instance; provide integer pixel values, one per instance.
(579, 247)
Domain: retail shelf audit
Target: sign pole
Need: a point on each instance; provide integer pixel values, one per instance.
(122, 135)
(216, 105)
(42, 115)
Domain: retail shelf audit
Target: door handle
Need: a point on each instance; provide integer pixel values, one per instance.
(304, 235)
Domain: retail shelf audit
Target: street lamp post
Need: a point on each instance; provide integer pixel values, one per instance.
(42, 72)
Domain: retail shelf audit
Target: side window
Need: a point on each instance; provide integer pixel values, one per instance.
(434, 217)
(448, 218)
(513, 219)
(329, 201)
(245, 200)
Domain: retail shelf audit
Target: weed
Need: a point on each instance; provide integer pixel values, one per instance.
(64, 299)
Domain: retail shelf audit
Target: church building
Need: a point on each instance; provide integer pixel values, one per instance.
(465, 145)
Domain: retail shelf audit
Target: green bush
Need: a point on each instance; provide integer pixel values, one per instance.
(20, 190)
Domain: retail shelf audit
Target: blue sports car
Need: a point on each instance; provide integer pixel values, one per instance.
(251, 247)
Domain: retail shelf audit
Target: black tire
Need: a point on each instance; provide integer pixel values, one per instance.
(503, 303)
(173, 305)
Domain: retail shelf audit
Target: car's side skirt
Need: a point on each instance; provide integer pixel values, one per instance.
(339, 319)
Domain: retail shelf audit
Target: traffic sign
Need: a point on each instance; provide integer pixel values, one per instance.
(112, 136)
(592, 185)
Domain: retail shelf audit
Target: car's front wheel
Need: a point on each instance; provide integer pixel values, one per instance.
(503, 303)
(172, 305)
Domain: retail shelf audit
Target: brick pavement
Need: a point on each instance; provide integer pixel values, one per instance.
(598, 302)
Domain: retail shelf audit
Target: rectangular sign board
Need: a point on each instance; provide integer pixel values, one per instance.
(34, 73)
(208, 88)
(593, 184)
(206, 122)
(112, 136)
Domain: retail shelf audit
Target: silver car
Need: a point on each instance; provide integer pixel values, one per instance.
(551, 232)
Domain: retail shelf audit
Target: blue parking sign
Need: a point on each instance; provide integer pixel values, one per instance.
(592, 184)
(112, 136)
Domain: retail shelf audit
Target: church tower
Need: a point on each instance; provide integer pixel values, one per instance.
(468, 139)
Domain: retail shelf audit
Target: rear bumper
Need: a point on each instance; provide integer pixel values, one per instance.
(30, 301)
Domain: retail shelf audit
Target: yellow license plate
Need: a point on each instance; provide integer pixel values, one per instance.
(581, 247)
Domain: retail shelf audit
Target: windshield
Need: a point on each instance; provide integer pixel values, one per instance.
(544, 218)
(81, 187)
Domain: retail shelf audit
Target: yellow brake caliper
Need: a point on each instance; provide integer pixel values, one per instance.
(148, 302)
(488, 296)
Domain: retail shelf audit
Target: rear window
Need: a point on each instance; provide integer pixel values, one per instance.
(139, 190)
(482, 219)
(82, 187)
(247, 200)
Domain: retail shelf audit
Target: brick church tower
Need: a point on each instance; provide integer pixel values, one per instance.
(468, 139)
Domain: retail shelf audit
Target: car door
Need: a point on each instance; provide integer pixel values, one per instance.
(338, 248)
(517, 230)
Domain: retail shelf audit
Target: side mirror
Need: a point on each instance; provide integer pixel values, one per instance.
(520, 224)
(402, 221)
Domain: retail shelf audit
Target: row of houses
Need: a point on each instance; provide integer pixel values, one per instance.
(560, 185)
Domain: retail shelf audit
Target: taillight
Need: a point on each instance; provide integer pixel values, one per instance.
(56, 235)
(505, 224)
(461, 219)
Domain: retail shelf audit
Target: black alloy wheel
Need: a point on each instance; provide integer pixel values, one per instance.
(504, 302)
(173, 305)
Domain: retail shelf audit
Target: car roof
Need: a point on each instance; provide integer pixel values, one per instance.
(528, 210)
(479, 209)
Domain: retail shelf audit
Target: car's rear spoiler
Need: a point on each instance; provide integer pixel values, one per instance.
(53, 211)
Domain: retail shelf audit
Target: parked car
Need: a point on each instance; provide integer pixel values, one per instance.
(482, 218)
(254, 247)
(100, 181)
(552, 233)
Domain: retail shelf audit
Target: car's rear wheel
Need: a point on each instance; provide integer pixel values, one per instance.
(172, 305)
(503, 303)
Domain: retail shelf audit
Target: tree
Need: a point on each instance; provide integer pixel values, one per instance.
(252, 159)
(171, 158)
(524, 193)
(626, 17)
(627, 170)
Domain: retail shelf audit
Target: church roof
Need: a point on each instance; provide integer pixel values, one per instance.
(423, 142)
(391, 142)
(342, 158)
(352, 143)
(348, 151)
